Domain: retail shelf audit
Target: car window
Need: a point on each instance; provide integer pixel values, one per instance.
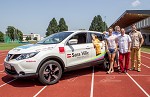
(99, 36)
(81, 37)
(55, 38)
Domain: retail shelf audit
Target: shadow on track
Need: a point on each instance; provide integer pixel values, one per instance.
(31, 82)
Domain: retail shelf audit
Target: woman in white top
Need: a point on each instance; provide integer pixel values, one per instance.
(111, 48)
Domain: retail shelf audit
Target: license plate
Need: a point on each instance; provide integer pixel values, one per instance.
(8, 66)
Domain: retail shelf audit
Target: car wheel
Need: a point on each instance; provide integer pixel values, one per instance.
(50, 72)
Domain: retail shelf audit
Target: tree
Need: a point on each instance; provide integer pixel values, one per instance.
(1, 37)
(105, 26)
(20, 34)
(100, 25)
(52, 27)
(27, 38)
(97, 24)
(93, 26)
(10, 32)
(35, 38)
(14, 33)
(62, 25)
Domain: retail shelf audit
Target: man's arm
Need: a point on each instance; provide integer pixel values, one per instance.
(129, 43)
(142, 40)
(106, 44)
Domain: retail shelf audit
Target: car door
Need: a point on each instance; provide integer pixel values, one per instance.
(80, 52)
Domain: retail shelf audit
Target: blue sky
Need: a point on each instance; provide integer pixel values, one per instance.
(33, 16)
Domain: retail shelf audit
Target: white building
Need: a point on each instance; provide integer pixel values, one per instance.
(32, 36)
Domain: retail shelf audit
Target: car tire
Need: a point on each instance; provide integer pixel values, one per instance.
(50, 72)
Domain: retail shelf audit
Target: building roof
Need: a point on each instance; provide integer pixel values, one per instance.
(131, 16)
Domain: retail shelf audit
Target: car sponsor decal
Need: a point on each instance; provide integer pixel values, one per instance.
(68, 55)
(61, 49)
(30, 61)
(78, 55)
(96, 58)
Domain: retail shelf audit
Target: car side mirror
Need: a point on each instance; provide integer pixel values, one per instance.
(72, 41)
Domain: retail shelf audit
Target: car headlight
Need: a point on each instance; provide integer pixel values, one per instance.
(26, 55)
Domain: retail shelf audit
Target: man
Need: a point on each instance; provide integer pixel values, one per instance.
(124, 43)
(137, 41)
(117, 33)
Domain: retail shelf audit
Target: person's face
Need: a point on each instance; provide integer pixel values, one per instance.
(93, 37)
(118, 29)
(110, 31)
(133, 27)
(122, 31)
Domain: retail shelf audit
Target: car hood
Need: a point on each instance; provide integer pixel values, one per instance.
(31, 48)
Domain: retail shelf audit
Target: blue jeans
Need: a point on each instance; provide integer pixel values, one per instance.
(111, 51)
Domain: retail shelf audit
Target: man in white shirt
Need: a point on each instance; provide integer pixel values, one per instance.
(124, 42)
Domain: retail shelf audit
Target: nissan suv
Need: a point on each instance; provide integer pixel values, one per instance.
(57, 53)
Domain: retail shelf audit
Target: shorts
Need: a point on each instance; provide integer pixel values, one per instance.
(111, 51)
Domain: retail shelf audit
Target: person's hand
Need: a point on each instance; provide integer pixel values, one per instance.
(137, 48)
(129, 50)
(116, 49)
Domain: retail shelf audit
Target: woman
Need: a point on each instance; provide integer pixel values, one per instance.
(96, 44)
(111, 48)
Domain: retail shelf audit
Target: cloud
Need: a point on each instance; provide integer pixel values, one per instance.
(136, 3)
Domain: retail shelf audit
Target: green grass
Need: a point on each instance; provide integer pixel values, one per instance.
(146, 49)
(8, 46)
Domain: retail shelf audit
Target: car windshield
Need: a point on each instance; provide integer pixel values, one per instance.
(55, 38)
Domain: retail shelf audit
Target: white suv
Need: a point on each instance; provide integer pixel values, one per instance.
(52, 56)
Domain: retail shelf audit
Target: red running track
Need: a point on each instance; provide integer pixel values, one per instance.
(81, 83)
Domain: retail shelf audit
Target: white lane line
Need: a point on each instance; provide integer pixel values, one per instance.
(145, 65)
(145, 52)
(145, 57)
(7, 83)
(39, 91)
(92, 83)
(138, 85)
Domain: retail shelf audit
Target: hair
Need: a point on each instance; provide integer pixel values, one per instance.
(123, 29)
(110, 28)
(133, 25)
(94, 35)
